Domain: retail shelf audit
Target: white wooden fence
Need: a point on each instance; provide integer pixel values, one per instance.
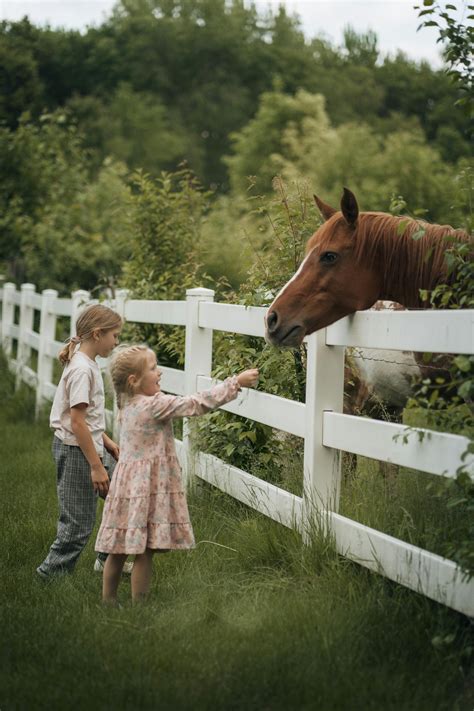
(319, 421)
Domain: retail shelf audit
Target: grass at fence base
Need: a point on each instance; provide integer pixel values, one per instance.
(403, 502)
(268, 625)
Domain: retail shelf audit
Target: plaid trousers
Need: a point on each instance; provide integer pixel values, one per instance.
(77, 507)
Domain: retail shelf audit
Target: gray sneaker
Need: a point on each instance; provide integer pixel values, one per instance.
(99, 566)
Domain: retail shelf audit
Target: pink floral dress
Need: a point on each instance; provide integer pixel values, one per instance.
(146, 505)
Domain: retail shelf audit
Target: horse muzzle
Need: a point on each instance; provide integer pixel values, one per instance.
(283, 335)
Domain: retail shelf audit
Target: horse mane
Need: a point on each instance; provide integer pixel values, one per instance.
(410, 253)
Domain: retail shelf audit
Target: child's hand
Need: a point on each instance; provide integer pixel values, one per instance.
(248, 378)
(100, 479)
(112, 448)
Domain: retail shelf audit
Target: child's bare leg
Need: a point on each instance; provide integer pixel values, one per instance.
(141, 575)
(111, 577)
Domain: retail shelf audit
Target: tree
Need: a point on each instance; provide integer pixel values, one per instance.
(293, 136)
(164, 228)
(164, 79)
(20, 87)
(262, 138)
(135, 128)
(458, 40)
(59, 228)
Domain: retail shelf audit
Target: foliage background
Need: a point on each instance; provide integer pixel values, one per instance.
(234, 94)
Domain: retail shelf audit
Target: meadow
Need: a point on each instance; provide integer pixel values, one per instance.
(257, 622)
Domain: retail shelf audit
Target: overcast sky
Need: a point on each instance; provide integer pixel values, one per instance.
(394, 21)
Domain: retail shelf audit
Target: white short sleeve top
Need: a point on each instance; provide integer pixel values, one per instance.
(81, 382)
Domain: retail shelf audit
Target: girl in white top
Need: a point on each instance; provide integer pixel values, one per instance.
(78, 420)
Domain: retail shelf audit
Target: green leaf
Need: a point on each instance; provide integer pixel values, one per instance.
(252, 436)
(418, 234)
(464, 390)
(456, 502)
(463, 363)
(401, 227)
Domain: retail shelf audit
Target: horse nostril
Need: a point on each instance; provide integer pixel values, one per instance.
(272, 321)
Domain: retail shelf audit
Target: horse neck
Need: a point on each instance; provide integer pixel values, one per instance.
(404, 287)
(407, 265)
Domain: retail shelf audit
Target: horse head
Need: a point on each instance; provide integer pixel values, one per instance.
(330, 282)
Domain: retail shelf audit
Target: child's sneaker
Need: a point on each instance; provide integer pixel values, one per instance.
(99, 566)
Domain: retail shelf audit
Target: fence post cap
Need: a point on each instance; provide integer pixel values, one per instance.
(80, 292)
(199, 292)
(28, 287)
(9, 285)
(49, 292)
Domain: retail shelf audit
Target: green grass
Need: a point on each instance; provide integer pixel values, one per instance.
(269, 625)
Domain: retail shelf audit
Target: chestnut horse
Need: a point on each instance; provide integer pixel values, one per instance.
(353, 260)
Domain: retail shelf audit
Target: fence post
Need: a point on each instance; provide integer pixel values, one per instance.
(197, 361)
(79, 300)
(26, 324)
(8, 316)
(121, 296)
(47, 334)
(322, 466)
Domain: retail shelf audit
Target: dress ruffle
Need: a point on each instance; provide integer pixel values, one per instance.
(154, 535)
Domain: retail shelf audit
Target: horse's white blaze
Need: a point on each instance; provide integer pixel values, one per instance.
(295, 275)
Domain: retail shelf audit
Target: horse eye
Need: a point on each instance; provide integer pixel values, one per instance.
(328, 257)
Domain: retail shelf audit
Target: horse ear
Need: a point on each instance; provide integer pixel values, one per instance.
(349, 207)
(326, 210)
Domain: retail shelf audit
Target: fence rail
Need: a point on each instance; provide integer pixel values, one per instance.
(428, 331)
(319, 421)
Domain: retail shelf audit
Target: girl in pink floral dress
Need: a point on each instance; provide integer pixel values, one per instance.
(146, 510)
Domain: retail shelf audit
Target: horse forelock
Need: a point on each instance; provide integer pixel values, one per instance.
(326, 233)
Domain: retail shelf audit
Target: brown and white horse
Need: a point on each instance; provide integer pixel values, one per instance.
(356, 261)
(353, 260)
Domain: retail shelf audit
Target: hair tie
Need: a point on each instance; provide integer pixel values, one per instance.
(73, 339)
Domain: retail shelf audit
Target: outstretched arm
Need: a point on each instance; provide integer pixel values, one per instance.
(170, 406)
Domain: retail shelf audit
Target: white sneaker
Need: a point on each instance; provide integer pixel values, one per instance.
(99, 566)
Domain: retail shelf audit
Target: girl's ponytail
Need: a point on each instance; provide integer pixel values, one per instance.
(66, 353)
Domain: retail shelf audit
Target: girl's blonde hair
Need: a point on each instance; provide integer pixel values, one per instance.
(127, 360)
(92, 318)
